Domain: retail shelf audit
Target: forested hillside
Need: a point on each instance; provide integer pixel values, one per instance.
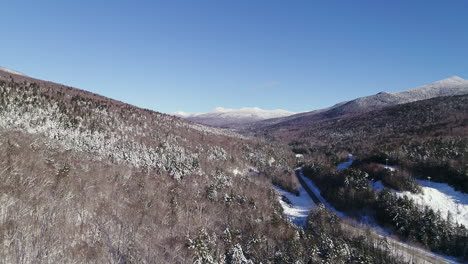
(88, 179)
(395, 148)
(121, 133)
(427, 137)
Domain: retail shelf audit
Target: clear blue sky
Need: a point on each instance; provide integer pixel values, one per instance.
(197, 55)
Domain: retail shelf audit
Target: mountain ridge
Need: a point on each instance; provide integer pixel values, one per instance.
(11, 71)
(231, 118)
(447, 87)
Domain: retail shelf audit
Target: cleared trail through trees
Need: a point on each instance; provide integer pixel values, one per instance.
(410, 254)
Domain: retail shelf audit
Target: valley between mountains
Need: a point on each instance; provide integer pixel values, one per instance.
(88, 179)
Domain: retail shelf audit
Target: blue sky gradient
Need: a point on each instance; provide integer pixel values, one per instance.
(197, 55)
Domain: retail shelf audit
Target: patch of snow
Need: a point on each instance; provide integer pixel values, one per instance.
(271, 161)
(346, 164)
(184, 114)
(299, 207)
(253, 170)
(441, 197)
(388, 167)
(299, 156)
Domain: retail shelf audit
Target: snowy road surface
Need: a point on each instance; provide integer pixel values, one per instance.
(346, 164)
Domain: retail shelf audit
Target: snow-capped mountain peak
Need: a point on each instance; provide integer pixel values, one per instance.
(11, 71)
(448, 82)
(453, 79)
(227, 117)
(184, 114)
(221, 110)
(446, 87)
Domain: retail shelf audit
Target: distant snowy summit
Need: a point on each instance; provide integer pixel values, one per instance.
(11, 71)
(225, 117)
(447, 87)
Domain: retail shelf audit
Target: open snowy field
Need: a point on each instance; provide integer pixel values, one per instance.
(442, 197)
(438, 196)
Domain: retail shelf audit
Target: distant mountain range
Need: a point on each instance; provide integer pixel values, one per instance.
(255, 119)
(232, 118)
(447, 87)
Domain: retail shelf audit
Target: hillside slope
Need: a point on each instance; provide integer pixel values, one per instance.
(85, 178)
(119, 132)
(441, 117)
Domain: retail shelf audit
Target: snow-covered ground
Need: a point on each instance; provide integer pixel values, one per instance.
(299, 207)
(442, 197)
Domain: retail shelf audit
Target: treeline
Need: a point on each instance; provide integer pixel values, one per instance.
(457, 177)
(398, 179)
(433, 165)
(440, 160)
(284, 178)
(348, 191)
